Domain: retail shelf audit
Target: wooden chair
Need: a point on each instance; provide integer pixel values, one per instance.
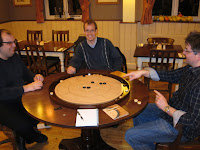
(79, 40)
(70, 53)
(60, 35)
(124, 67)
(23, 57)
(34, 35)
(159, 60)
(177, 144)
(11, 136)
(36, 55)
(168, 41)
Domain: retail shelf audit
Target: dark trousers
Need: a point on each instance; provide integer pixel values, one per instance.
(14, 116)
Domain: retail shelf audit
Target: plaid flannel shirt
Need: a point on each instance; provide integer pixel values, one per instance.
(186, 98)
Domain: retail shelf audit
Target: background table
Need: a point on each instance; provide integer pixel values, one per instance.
(52, 48)
(39, 105)
(143, 53)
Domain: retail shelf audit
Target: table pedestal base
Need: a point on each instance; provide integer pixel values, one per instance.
(90, 140)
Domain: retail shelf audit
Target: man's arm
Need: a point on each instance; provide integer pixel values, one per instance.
(36, 85)
(162, 103)
(137, 74)
(115, 57)
(77, 59)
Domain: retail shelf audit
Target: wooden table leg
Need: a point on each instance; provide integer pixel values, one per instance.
(90, 140)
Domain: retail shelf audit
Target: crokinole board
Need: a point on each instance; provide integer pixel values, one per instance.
(88, 90)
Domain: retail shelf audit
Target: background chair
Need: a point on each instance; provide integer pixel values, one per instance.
(79, 40)
(168, 41)
(177, 145)
(159, 60)
(36, 55)
(124, 67)
(23, 57)
(34, 35)
(60, 35)
(70, 54)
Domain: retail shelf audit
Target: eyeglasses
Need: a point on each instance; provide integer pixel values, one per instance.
(90, 31)
(10, 42)
(187, 51)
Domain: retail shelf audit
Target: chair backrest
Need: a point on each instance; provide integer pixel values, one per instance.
(60, 35)
(124, 67)
(23, 57)
(34, 35)
(36, 58)
(17, 49)
(159, 59)
(168, 41)
(79, 40)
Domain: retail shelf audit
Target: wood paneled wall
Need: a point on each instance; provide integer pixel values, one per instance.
(177, 31)
(123, 35)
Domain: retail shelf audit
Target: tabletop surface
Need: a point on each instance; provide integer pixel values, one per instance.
(39, 105)
(50, 46)
(145, 50)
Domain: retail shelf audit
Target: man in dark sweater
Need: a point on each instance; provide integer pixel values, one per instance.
(94, 52)
(13, 76)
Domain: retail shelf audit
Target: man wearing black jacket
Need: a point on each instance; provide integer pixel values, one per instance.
(13, 76)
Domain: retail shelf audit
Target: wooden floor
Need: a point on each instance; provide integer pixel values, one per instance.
(113, 136)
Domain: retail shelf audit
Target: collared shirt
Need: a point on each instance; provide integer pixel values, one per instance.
(186, 98)
(92, 46)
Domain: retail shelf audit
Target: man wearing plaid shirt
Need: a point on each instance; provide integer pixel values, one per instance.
(156, 124)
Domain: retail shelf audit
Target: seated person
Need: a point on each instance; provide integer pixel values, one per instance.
(156, 124)
(96, 53)
(13, 75)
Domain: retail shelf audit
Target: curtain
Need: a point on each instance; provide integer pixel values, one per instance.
(39, 11)
(147, 11)
(85, 9)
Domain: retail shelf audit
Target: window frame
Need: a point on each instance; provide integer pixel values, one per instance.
(65, 8)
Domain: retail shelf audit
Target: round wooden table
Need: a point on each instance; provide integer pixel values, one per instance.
(39, 105)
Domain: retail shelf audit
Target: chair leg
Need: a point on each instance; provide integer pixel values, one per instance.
(58, 68)
(5, 141)
(11, 135)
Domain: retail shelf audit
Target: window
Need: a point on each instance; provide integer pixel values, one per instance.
(173, 7)
(162, 7)
(56, 9)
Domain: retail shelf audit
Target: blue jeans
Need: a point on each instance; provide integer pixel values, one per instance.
(149, 129)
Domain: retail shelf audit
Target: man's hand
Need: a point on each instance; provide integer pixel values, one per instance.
(137, 74)
(160, 100)
(36, 85)
(38, 77)
(71, 70)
